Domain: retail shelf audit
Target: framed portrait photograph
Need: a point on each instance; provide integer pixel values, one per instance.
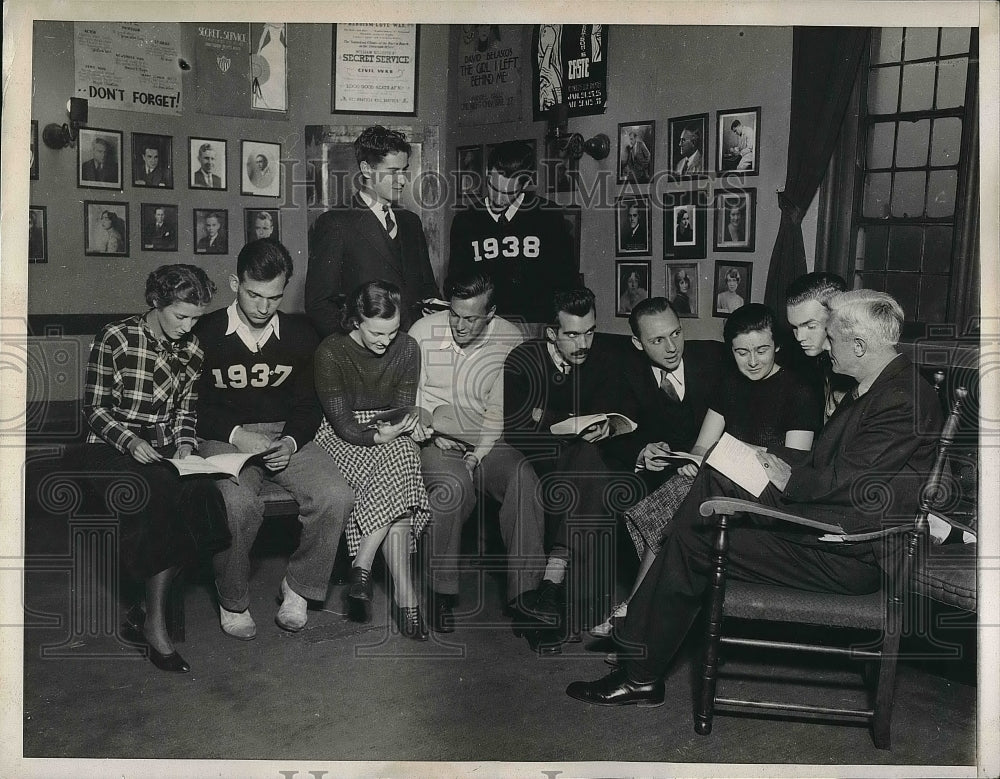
(735, 220)
(470, 173)
(211, 231)
(152, 161)
(736, 148)
(631, 285)
(262, 223)
(260, 171)
(38, 234)
(688, 145)
(105, 229)
(732, 286)
(206, 163)
(158, 227)
(685, 225)
(33, 151)
(533, 173)
(99, 159)
(682, 287)
(636, 144)
(632, 226)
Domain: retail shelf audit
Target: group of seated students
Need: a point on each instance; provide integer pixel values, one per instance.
(386, 436)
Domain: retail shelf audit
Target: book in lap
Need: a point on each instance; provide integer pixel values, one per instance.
(228, 464)
(610, 425)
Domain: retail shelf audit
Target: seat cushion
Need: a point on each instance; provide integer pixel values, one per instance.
(949, 575)
(277, 501)
(745, 600)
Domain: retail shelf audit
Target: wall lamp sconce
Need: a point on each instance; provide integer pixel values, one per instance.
(572, 145)
(57, 136)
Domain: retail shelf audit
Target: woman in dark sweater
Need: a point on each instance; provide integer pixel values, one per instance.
(372, 368)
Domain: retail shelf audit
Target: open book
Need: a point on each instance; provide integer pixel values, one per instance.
(227, 464)
(611, 424)
(680, 456)
(739, 462)
(395, 415)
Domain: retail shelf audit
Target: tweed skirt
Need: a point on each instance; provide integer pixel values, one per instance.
(648, 521)
(386, 479)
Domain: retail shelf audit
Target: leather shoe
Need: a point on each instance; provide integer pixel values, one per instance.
(616, 689)
(292, 615)
(443, 613)
(238, 624)
(361, 584)
(173, 662)
(410, 623)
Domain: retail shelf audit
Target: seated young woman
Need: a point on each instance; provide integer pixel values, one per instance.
(759, 402)
(139, 405)
(370, 368)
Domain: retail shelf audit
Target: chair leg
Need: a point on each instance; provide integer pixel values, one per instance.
(175, 608)
(713, 632)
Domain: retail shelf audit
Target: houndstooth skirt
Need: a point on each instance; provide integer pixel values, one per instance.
(386, 480)
(648, 521)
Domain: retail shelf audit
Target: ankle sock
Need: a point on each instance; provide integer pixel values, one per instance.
(555, 570)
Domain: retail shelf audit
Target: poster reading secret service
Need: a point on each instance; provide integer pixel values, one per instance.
(375, 68)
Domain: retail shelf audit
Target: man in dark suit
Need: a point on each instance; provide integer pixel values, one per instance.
(881, 432)
(160, 235)
(215, 240)
(374, 239)
(102, 166)
(205, 177)
(634, 230)
(150, 172)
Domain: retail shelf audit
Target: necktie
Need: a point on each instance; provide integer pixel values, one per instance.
(684, 167)
(502, 219)
(668, 388)
(390, 226)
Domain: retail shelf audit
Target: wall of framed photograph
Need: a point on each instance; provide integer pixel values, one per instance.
(688, 136)
(632, 283)
(99, 158)
(632, 226)
(562, 169)
(211, 231)
(685, 224)
(206, 163)
(105, 228)
(735, 220)
(682, 287)
(470, 174)
(152, 161)
(158, 227)
(38, 230)
(636, 151)
(260, 171)
(732, 284)
(262, 223)
(737, 141)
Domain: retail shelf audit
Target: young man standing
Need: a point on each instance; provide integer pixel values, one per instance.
(373, 239)
(521, 240)
(256, 394)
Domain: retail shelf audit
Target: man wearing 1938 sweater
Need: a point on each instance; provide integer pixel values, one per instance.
(256, 394)
(520, 240)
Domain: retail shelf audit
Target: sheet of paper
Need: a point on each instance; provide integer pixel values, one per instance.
(739, 462)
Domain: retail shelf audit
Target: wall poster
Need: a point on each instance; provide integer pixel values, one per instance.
(375, 69)
(569, 65)
(241, 69)
(489, 74)
(129, 66)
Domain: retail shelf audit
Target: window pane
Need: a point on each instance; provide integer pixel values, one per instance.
(883, 91)
(921, 42)
(951, 83)
(875, 247)
(918, 87)
(904, 248)
(874, 281)
(954, 40)
(941, 193)
(904, 287)
(877, 195)
(947, 141)
(908, 194)
(880, 141)
(889, 45)
(937, 249)
(933, 299)
(911, 149)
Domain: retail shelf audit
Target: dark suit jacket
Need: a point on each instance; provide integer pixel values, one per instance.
(350, 247)
(158, 178)
(638, 396)
(109, 171)
(221, 245)
(199, 181)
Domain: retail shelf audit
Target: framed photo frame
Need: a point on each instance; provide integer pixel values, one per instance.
(260, 168)
(211, 231)
(470, 173)
(685, 225)
(562, 170)
(99, 159)
(636, 148)
(158, 227)
(731, 289)
(737, 147)
(105, 228)
(735, 220)
(688, 145)
(632, 226)
(533, 173)
(207, 163)
(262, 223)
(632, 282)
(152, 161)
(682, 285)
(33, 159)
(358, 86)
(38, 234)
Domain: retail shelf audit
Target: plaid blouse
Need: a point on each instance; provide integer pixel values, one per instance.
(141, 386)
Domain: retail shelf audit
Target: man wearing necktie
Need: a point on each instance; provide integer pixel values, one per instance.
(205, 177)
(689, 145)
(102, 166)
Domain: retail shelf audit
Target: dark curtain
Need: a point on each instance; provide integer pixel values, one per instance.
(824, 65)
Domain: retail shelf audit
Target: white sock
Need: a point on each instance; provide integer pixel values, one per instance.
(555, 570)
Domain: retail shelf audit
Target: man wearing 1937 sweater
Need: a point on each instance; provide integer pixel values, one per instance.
(520, 240)
(256, 394)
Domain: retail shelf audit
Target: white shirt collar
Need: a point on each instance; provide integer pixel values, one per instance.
(675, 376)
(558, 360)
(375, 206)
(253, 342)
(448, 339)
(509, 213)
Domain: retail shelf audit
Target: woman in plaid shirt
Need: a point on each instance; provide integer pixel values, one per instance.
(139, 405)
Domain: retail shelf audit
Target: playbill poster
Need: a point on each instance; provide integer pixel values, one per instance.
(569, 63)
(241, 69)
(375, 68)
(490, 64)
(130, 66)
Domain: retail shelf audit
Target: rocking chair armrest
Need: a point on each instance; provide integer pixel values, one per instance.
(729, 506)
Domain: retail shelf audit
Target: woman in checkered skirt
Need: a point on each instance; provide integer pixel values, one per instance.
(369, 369)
